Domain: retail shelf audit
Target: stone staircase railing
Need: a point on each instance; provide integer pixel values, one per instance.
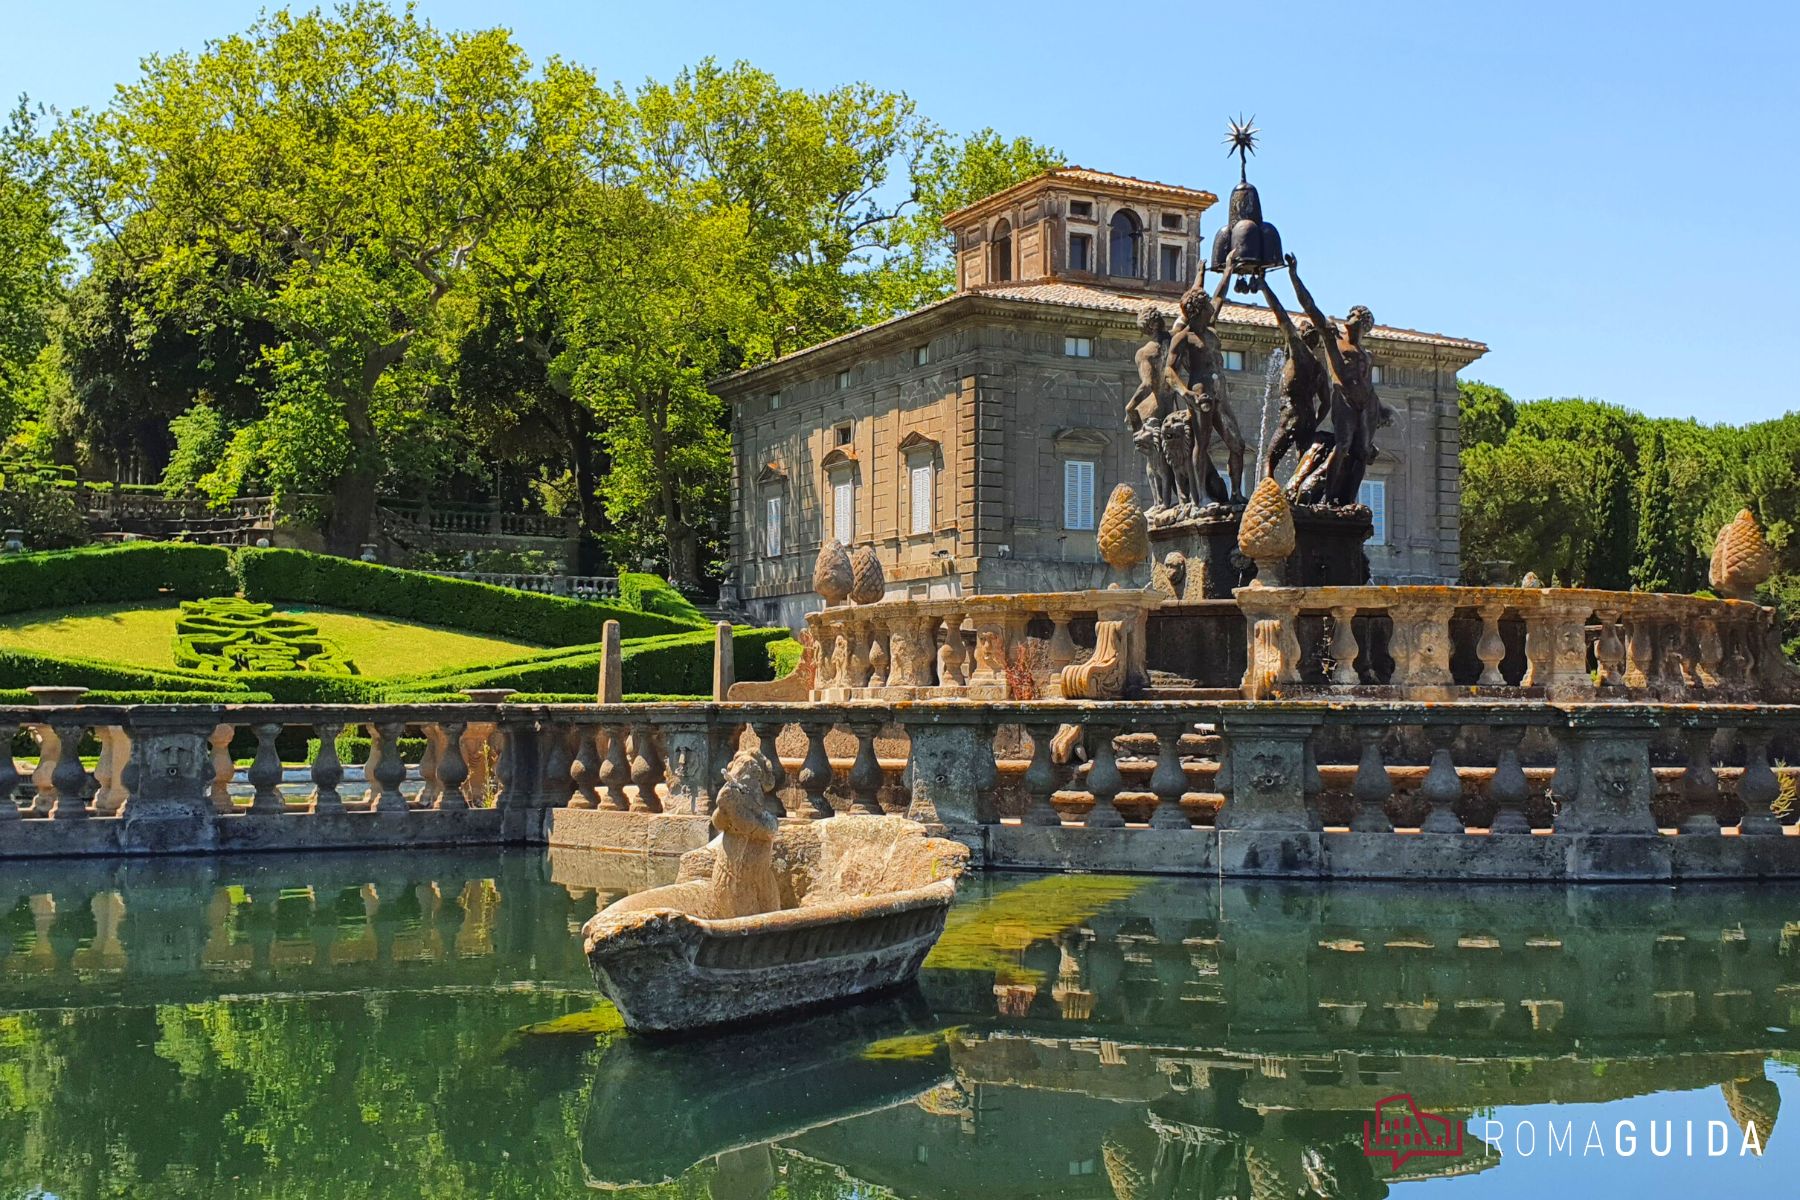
(581, 587)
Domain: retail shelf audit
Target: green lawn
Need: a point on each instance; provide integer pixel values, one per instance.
(143, 635)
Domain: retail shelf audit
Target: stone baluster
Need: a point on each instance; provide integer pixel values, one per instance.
(815, 772)
(390, 769)
(327, 771)
(1441, 788)
(865, 772)
(115, 753)
(1490, 648)
(1371, 787)
(951, 659)
(646, 770)
(1508, 789)
(1104, 780)
(1343, 646)
(615, 771)
(1609, 650)
(265, 772)
(555, 779)
(48, 753)
(223, 768)
(584, 769)
(1709, 653)
(1736, 668)
(430, 787)
(452, 768)
(1540, 646)
(1168, 780)
(987, 681)
(768, 737)
(68, 776)
(1640, 651)
(871, 663)
(1700, 785)
(857, 664)
(1040, 778)
(9, 778)
(1677, 672)
(1758, 787)
(903, 653)
(1062, 643)
(925, 652)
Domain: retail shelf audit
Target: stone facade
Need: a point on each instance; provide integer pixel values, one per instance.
(977, 405)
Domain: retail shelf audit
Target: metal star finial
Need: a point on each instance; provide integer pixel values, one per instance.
(1242, 140)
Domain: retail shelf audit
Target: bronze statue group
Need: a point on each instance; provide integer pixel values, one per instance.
(1329, 409)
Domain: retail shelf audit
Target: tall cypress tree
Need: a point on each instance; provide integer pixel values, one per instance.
(1662, 563)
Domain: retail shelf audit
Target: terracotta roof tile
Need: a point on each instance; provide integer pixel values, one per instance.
(1199, 197)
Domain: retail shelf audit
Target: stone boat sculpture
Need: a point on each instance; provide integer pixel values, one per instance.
(766, 920)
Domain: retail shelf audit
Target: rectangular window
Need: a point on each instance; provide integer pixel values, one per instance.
(843, 512)
(1232, 360)
(1081, 252)
(921, 355)
(843, 381)
(1374, 374)
(1078, 494)
(1173, 222)
(921, 498)
(774, 401)
(842, 433)
(772, 526)
(1374, 494)
(1171, 264)
(1082, 208)
(1078, 347)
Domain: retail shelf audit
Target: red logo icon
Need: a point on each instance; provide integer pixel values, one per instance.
(1401, 1131)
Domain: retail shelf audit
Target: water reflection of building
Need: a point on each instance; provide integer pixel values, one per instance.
(1237, 1053)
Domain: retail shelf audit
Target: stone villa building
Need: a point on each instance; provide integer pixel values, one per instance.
(974, 440)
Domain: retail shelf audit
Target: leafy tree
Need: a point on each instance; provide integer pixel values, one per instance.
(32, 258)
(1663, 562)
(1602, 438)
(329, 174)
(1526, 501)
(1485, 413)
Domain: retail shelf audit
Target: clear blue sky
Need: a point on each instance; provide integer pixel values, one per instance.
(1604, 192)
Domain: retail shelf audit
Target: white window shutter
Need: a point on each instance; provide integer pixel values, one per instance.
(774, 526)
(1374, 495)
(921, 499)
(843, 517)
(1078, 494)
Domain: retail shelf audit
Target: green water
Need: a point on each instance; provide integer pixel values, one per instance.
(422, 1025)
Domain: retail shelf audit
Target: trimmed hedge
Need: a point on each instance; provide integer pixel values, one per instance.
(654, 594)
(300, 577)
(111, 574)
(663, 666)
(224, 635)
(21, 669)
(784, 656)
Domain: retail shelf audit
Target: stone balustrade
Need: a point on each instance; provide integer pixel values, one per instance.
(1503, 789)
(969, 647)
(581, 587)
(1427, 643)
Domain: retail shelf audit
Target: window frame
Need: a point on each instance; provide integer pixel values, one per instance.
(843, 501)
(1163, 252)
(922, 519)
(1376, 488)
(772, 520)
(1077, 345)
(843, 380)
(1233, 360)
(1074, 520)
(1087, 259)
(921, 355)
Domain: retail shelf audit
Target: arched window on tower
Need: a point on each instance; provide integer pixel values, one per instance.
(1126, 245)
(1000, 253)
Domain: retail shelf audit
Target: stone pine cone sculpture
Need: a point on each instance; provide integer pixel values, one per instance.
(1124, 531)
(1741, 559)
(867, 583)
(832, 573)
(1266, 532)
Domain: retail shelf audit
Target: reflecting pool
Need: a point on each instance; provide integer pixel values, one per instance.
(422, 1025)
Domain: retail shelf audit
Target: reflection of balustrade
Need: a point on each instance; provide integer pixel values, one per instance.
(970, 647)
(1500, 790)
(1560, 643)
